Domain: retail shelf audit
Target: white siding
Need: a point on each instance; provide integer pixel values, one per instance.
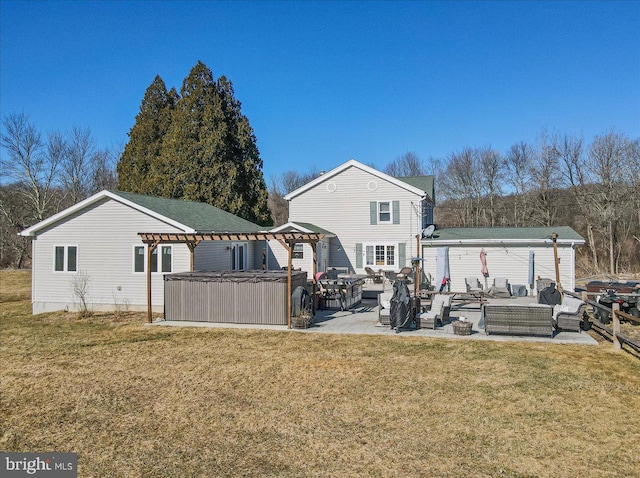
(105, 233)
(278, 257)
(341, 205)
(510, 261)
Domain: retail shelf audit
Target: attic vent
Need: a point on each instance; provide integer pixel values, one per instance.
(372, 186)
(331, 187)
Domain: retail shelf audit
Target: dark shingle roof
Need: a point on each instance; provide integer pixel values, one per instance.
(199, 216)
(314, 228)
(565, 233)
(426, 183)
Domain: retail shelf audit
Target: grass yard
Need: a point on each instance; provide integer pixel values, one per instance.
(140, 401)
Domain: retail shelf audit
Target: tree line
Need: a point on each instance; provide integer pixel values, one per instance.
(43, 174)
(196, 144)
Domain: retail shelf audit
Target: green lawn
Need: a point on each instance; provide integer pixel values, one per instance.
(140, 401)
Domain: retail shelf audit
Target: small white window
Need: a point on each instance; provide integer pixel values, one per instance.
(65, 259)
(384, 211)
(298, 251)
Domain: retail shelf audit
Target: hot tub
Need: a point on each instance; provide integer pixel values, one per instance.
(234, 297)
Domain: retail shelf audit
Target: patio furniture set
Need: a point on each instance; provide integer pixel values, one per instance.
(512, 319)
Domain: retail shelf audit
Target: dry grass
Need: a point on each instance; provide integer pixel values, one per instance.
(134, 401)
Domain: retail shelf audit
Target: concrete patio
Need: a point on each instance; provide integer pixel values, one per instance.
(363, 319)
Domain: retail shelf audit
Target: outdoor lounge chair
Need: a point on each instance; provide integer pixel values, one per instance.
(500, 289)
(439, 312)
(384, 308)
(375, 277)
(569, 314)
(473, 284)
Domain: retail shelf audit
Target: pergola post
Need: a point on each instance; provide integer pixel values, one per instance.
(150, 248)
(314, 248)
(289, 267)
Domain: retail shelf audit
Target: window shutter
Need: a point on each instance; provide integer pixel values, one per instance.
(373, 207)
(402, 254)
(396, 212)
(359, 255)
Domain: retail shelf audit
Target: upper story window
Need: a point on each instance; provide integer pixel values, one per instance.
(298, 251)
(384, 211)
(66, 259)
(166, 259)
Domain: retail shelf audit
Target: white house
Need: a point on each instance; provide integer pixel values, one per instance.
(514, 253)
(97, 241)
(368, 218)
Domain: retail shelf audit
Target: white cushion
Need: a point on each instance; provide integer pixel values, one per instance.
(500, 282)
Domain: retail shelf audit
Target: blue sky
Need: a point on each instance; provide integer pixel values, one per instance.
(323, 82)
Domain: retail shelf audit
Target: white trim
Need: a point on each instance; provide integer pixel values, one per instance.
(363, 167)
(297, 227)
(65, 259)
(291, 225)
(31, 231)
(463, 242)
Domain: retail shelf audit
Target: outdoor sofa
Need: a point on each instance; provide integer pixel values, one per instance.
(516, 319)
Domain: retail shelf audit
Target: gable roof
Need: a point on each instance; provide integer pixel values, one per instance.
(189, 216)
(471, 235)
(302, 227)
(352, 163)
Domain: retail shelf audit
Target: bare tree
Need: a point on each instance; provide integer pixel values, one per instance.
(76, 165)
(103, 171)
(518, 175)
(31, 164)
(407, 165)
(606, 164)
(491, 172)
(546, 180)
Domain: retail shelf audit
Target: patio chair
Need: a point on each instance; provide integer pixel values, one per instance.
(500, 289)
(384, 310)
(473, 284)
(439, 312)
(569, 314)
(375, 277)
(407, 273)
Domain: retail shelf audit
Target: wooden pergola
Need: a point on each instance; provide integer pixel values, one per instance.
(287, 239)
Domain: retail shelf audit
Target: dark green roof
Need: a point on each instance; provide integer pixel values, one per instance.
(199, 216)
(506, 233)
(314, 228)
(426, 183)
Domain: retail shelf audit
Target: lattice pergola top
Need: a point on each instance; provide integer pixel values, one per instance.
(196, 237)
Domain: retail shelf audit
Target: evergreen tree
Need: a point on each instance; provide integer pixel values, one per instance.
(137, 166)
(209, 153)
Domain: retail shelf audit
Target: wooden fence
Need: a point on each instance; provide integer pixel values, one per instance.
(612, 333)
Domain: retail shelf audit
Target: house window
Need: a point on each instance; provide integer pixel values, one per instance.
(298, 251)
(66, 258)
(381, 255)
(239, 256)
(384, 211)
(166, 259)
